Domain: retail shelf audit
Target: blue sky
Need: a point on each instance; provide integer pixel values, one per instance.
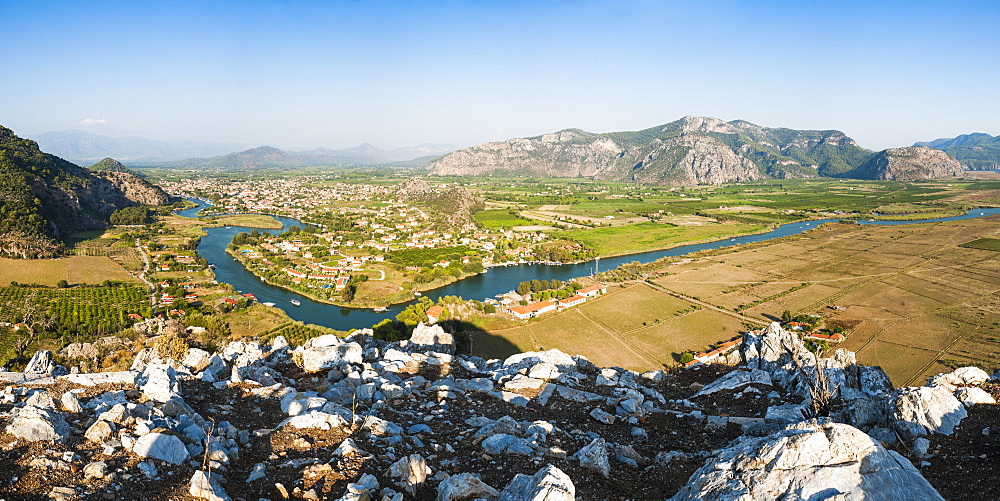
(338, 73)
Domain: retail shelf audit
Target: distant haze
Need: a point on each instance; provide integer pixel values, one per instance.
(306, 74)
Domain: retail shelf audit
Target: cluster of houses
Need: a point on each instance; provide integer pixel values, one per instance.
(527, 311)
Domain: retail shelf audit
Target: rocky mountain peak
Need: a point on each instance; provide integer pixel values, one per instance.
(691, 124)
(909, 164)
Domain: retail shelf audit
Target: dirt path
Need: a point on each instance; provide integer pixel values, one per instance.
(628, 346)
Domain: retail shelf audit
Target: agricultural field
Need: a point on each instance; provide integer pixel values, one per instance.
(905, 290)
(657, 329)
(652, 236)
(73, 269)
(249, 220)
(499, 218)
(55, 314)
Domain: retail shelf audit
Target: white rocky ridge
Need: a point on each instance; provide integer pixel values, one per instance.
(412, 420)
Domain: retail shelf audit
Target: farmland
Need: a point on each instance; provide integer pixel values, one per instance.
(917, 302)
(73, 269)
(656, 330)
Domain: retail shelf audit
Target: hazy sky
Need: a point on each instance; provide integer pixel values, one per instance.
(394, 73)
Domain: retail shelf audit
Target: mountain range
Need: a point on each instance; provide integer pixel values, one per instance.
(86, 147)
(976, 151)
(267, 157)
(44, 199)
(694, 150)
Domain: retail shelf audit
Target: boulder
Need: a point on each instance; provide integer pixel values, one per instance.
(99, 432)
(548, 484)
(594, 457)
(204, 487)
(926, 409)
(95, 470)
(736, 380)
(959, 377)
(432, 338)
(315, 419)
(808, 460)
(503, 443)
(196, 360)
(971, 395)
(159, 382)
(323, 352)
(70, 403)
(39, 420)
(412, 471)
(80, 350)
(161, 446)
(40, 364)
(465, 487)
(560, 360)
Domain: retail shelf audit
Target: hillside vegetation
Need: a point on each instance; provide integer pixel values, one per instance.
(44, 198)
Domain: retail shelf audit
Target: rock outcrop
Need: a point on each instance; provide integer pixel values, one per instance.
(48, 198)
(809, 460)
(359, 418)
(913, 163)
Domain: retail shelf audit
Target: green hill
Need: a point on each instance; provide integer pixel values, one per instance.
(44, 198)
(976, 151)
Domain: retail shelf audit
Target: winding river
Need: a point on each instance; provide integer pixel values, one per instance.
(496, 281)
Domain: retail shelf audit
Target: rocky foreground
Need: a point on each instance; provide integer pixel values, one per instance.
(362, 419)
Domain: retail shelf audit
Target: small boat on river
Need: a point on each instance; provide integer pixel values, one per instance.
(296, 302)
(380, 309)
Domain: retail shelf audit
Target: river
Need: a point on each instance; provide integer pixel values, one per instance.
(496, 281)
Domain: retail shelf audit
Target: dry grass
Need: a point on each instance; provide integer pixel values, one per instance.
(73, 269)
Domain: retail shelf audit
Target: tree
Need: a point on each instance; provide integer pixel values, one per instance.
(686, 357)
(786, 316)
(489, 308)
(62, 284)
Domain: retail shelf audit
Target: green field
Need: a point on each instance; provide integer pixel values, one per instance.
(499, 218)
(652, 236)
(991, 244)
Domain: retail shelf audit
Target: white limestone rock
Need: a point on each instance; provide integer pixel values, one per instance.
(159, 382)
(161, 446)
(71, 403)
(548, 484)
(926, 409)
(971, 395)
(959, 377)
(560, 360)
(736, 380)
(809, 460)
(204, 487)
(40, 364)
(315, 419)
(196, 360)
(432, 338)
(465, 486)
(39, 420)
(594, 456)
(411, 471)
(327, 352)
